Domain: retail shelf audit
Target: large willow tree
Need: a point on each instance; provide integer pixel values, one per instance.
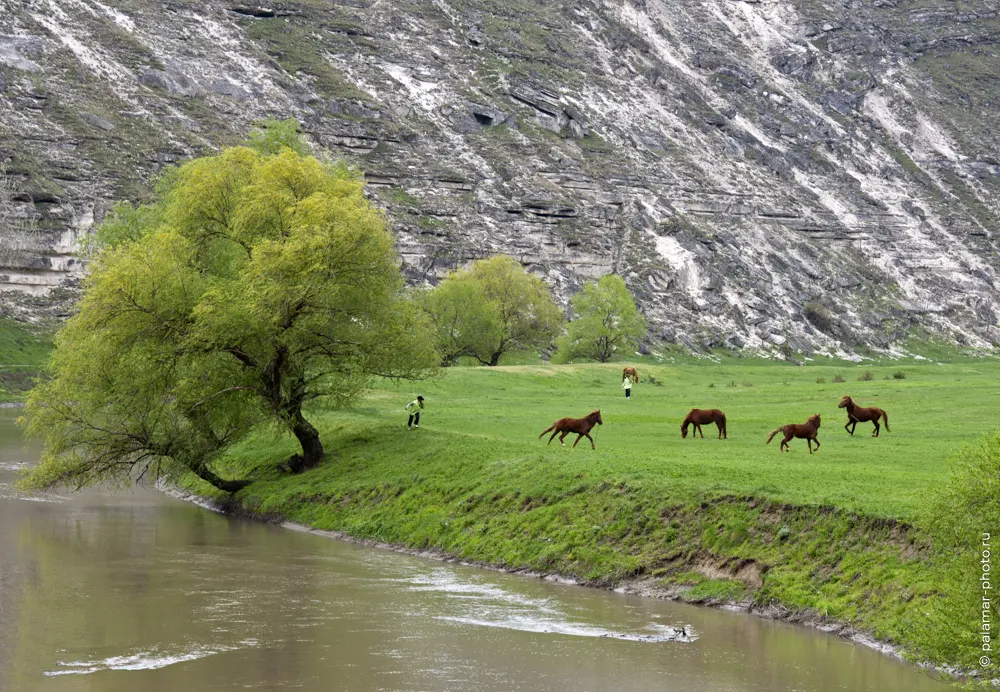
(257, 282)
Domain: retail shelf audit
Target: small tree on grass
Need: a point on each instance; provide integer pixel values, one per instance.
(256, 283)
(607, 321)
(492, 308)
(467, 323)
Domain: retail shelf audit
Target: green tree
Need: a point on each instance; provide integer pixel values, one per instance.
(492, 308)
(465, 321)
(256, 283)
(607, 321)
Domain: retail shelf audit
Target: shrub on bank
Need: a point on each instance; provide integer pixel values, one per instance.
(964, 523)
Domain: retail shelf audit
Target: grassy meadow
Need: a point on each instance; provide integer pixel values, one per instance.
(833, 535)
(493, 416)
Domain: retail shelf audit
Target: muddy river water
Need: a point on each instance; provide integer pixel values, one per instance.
(124, 591)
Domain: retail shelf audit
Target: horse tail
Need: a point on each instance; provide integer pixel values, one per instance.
(722, 419)
(547, 430)
(885, 419)
(773, 433)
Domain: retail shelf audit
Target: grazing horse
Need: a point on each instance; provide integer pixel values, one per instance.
(580, 426)
(630, 373)
(699, 416)
(807, 430)
(859, 414)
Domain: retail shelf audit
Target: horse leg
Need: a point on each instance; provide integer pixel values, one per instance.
(591, 440)
(875, 421)
(719, 426)
(809, 444)
(579, 436)
(816, 440)
(563, 437)
(552, 438)
(698, 427)
(784, 444)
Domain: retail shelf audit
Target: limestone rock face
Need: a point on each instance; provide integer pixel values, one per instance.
(780, 175)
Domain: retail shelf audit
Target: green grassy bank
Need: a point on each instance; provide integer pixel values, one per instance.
(24, 351)
(834, 535)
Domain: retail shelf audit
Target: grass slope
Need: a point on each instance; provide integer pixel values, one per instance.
(829, 534)
(23, 354)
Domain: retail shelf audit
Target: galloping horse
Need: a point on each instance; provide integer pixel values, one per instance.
(580, 426)
(807, 430)
(630, 372)
(699, 416)
(858, 414)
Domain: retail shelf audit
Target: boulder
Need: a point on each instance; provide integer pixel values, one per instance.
(15, 52)
(171, 80)
(97, 121)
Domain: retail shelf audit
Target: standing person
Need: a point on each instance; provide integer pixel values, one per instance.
(417, 404)
(627, 386)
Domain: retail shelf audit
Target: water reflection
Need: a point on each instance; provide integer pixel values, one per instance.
(108, 593)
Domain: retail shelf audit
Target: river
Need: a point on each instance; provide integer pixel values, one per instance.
(119, 591)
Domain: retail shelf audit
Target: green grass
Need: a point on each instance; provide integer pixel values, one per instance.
(830, 534)
(23, 354)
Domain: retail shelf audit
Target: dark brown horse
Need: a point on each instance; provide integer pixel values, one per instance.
(699, 416)
(580, 426)
(859, 414)
(630, 372)
(807, 430)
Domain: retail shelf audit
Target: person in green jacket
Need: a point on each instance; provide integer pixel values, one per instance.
(627, 386)
(416, 405)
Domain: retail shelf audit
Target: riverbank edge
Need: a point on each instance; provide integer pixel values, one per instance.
(645, 587)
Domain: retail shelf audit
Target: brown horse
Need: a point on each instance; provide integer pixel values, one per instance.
(859, 414)
(699, 416)
(807, 430)
(630, 372)
(580, 426)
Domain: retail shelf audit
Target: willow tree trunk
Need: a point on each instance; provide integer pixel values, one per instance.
(308, 437)
(206, 475)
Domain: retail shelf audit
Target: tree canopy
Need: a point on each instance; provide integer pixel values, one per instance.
(257, 282)
(491, 308)
(607, 320)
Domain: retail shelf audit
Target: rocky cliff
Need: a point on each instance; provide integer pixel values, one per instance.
(804, 175)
